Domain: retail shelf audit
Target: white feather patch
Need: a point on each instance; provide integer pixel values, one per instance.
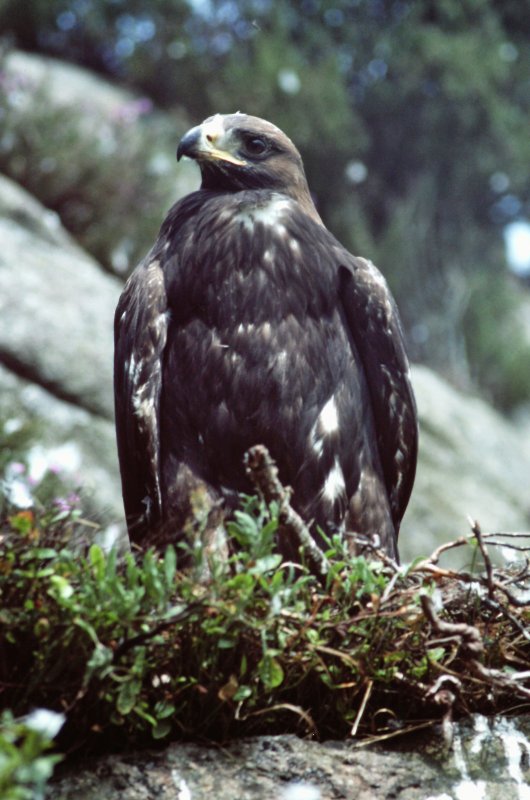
(268, 214)
(334, 486)
(326, 424)
(328, 419)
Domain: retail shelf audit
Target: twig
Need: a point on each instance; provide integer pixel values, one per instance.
(368, 546)
(466, 577)
(446, 698)
(263, 473)
(444, 572)
(435, 556)
(519, 548)
(470, 639)
(389, 588)
(362, 708)
(298, 710)
(472, 646)
(486, 539)
(475, 529)
(519, 577)
(515, 601)
(513, 619)
(405, 731)
(134, 641)
(508, 535)
(497, 678)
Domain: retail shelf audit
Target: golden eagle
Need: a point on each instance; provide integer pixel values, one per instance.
(249, 323)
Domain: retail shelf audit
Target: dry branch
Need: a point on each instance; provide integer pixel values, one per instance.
(263, 474)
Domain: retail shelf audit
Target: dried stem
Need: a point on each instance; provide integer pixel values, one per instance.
(475, 529)
(263, 473)
(469, 636)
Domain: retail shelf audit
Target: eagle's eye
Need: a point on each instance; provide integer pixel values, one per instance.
(255, 145)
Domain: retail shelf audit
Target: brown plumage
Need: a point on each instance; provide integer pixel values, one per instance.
(248, 323)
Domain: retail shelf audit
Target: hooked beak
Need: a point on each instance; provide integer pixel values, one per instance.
(205, 143)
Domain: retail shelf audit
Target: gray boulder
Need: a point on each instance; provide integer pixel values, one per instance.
(56, 311)
(473, 462)
(56, 305)
(77, 444)
(488, 759)
(92, 131)
(67, 84)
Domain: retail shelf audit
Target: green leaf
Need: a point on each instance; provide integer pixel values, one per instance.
(163, 710)
(267, 564)
(270, 672)
(88, 628)
(406, 569)
(242, 693)
(245, 528)
(128, 696)
(161, 729)
(39, 553)
(99, 663)
(242, 583)
(170, 564)
(435, 653)
(174, 611)
(61, 589)
(22, 522)
(97, 559)
(225, 644)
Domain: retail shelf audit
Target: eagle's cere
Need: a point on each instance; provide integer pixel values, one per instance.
(248, 323)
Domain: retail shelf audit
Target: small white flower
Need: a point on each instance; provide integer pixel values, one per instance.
(46, 722)
(19, 494)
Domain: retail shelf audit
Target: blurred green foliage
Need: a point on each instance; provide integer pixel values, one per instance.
(25, 766)
(412, 118)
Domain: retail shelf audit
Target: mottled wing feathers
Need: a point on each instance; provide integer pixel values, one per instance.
(248, 269)
(140, 330)
(374, 324)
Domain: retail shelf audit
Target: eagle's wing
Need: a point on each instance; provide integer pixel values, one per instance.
(374, 324)
(140, 330)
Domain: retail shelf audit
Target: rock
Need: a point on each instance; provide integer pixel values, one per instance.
(56, 305)
(66, 438)
(88, 140)
(473, 463)
(488, 759)
(67, 83)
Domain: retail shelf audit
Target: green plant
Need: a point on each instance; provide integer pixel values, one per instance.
(25, 764)
(238, 644)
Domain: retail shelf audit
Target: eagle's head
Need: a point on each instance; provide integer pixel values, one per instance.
(236, 152)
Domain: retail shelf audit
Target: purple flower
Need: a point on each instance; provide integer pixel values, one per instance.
(67, 503)
(16, 468)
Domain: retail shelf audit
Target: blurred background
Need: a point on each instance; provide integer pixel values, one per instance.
(412, 119)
